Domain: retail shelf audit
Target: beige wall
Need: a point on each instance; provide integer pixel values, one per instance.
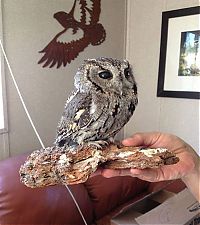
(27, 27)
(178, 116)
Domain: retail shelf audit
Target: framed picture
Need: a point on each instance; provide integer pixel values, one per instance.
(179, 66)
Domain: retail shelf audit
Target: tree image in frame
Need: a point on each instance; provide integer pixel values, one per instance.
(189, 61)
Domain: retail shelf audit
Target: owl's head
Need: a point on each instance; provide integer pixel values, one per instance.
(107, 75)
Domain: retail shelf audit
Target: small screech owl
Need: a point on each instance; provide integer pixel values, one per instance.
(102, 103)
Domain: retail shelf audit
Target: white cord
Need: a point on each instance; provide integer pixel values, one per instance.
(21, 98)
(33, 126)
(77, 206)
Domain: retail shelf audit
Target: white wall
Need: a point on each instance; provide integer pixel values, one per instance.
(178, 116)
(27, 28)
(29, 25)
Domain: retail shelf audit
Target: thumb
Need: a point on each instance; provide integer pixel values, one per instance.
(135, 140)
(142, 139)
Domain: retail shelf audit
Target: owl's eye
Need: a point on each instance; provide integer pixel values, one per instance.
(106, 75)
(127, 73)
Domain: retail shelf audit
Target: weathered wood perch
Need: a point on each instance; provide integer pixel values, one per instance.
(51, 166)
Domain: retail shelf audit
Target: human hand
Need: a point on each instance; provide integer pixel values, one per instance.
(188, 164)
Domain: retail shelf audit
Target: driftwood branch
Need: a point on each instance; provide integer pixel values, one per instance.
(51, 166)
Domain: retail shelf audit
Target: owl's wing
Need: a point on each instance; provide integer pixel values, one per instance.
(77, 114)
(59, 51)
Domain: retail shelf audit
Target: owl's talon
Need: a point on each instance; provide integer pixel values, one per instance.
(98, 144)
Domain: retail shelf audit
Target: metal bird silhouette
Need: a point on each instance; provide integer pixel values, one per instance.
(77, 34)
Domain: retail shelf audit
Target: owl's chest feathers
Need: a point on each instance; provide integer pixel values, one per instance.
(102, 117)
(109, 108)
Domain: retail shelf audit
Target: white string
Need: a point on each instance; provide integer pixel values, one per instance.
(33, 126)
(77, 206)
(20, 96)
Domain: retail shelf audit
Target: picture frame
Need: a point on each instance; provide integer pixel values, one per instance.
(179, 63)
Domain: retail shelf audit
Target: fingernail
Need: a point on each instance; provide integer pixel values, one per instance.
(106, 175)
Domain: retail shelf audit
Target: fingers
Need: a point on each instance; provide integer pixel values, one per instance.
(144, 174)
(108, 173)
(167, 172)
(151, 175)
(142, 139)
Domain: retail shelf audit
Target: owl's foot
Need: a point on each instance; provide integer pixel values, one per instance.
(98, 144)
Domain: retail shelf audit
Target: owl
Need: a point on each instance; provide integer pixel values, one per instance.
(103, 101)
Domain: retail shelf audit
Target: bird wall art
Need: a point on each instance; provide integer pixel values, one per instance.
(81, 28)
